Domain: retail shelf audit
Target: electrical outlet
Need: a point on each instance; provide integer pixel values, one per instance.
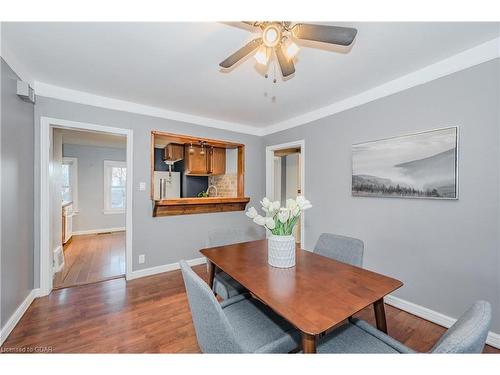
(142, 258)
(142, 186)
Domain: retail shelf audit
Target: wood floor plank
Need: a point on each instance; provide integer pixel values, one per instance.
(151, 315)
(92, 258)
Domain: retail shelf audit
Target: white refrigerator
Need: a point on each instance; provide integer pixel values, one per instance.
(173, 184)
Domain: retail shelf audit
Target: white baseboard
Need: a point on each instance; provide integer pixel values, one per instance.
(493, 338)
(97, 231)
(164, 268)
(18, 314)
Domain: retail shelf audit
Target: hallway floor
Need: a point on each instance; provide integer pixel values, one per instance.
(91, 258)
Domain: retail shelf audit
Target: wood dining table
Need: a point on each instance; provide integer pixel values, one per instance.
(315, 295)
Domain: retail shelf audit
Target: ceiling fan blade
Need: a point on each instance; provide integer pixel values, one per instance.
(325, 34)
(252, 23)
(286, 65)
(251, 26)
(241, 53)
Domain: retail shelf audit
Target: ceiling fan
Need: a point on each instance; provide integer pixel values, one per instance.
(278, 38)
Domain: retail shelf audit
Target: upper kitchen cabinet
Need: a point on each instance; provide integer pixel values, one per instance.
(196, 175)
(195, 160)
(173, 152)
(217, 161)
(204, 160)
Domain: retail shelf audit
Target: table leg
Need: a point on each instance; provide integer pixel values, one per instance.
(211, 273)
(378, 306)
(308, 343)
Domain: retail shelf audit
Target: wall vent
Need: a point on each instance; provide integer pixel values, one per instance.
(25, 92)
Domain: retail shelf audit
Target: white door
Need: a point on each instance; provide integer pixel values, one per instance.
(277, 180)
(293, 184)
(292, 176)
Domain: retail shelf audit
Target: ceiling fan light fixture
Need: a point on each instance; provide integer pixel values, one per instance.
(277, 40)
(271, 35)
(262, 56)
(291, 50)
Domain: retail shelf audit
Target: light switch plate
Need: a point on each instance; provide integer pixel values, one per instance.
(142, 186)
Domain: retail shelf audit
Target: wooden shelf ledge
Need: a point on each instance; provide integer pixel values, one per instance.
(188, 206)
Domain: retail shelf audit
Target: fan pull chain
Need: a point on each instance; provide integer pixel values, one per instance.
(273, 96)
(271, 88)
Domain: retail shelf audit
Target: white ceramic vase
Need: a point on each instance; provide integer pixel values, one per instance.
(281, 251)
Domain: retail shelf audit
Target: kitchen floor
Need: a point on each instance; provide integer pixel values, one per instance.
(92, 258)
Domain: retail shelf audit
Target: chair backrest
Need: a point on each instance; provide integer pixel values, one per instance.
(213, 331)
(227, 236)
(468, 334)
(344, 249)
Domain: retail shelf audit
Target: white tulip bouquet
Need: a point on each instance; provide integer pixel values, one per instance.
(279, 220)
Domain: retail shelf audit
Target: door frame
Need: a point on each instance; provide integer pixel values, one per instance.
(270, 181)
(46, 124)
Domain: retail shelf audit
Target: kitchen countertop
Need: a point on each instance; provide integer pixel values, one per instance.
(186, 206)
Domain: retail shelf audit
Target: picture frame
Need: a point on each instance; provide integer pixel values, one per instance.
(421, 165)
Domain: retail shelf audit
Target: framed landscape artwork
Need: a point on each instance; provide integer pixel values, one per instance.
(422, 165)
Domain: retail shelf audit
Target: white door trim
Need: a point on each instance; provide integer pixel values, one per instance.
(270, 170)
(45, 125)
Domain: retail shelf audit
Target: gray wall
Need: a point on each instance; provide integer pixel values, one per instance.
(163, 240)
(91, 186)
(445, 252)
(17, 196)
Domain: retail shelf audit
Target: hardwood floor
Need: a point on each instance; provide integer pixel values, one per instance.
(92, 258)
(150, 315)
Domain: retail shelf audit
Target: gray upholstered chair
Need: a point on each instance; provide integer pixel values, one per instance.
(344, 249)
(237, 325)
(224, 285)
(467, 335)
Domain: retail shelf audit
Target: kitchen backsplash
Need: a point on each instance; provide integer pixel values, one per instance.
(226, 184)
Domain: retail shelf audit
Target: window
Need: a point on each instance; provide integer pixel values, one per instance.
(115, 187)
(69, 183)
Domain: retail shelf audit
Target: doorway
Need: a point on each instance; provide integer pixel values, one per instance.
(86, 203)
(285, 172)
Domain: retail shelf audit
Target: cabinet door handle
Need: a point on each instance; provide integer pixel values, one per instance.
(209, 156)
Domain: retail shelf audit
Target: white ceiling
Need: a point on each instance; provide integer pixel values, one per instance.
(89, 138)
(174, 66)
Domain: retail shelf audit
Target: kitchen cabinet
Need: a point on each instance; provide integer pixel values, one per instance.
(212, 162)
(67, 222)
(173, 152)
(217, 162)
(195, 163)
